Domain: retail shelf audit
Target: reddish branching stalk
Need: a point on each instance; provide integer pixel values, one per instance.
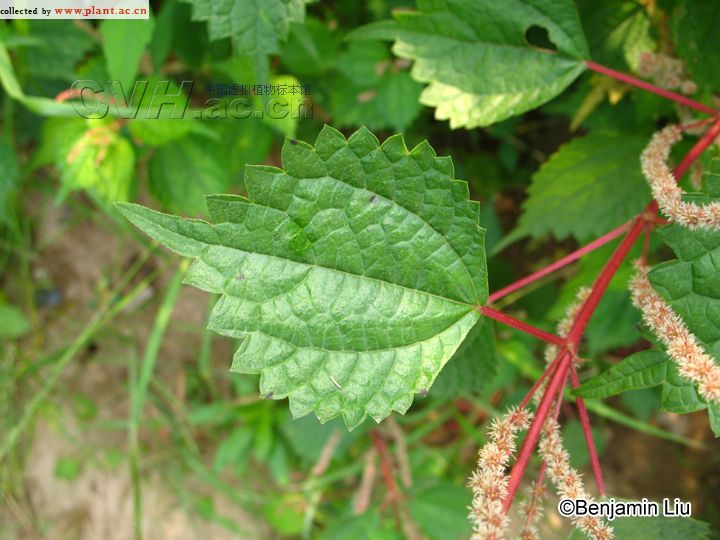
(560, 263)
(488, 515)
(521, 325)
(554, 388)
(673, 96)
(589, 440)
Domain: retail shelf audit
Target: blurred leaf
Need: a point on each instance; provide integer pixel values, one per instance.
(369, 332)
(372, 90)
(574, 438)
(714, 416)
(13, 323)
(124, 42)
(67, 468)
(441, 511)
(614, 323)
(58, 47)
(692, 23)
(181, 173)
(286, 513)
(9, 182)
(282, 110)
(364, 527)
(307, 437)
(233, 449)
(311, 48)
(477, 59)
(472, 367)
(592, 184)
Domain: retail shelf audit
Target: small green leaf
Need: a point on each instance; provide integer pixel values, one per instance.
(477, 61)
(352, 275)
(13, 323)
(641, 370)
(124, 42)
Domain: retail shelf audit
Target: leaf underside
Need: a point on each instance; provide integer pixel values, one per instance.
(352, 274)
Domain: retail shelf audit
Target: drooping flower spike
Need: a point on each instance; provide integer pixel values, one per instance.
(665, 188)
(489, 481)
(681, 345)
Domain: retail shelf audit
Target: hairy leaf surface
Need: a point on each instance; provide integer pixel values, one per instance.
(352, 274)
(589, 186)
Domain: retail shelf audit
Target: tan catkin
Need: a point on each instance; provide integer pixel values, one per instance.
(665, 188)
(681, 345)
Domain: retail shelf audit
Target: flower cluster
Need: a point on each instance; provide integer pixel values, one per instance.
(665, 189)
(489, 481)
(666, 72)
(681, 345)
(568, 481)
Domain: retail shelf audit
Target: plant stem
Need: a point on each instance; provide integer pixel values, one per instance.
(521, 325)
(706, 140)
(601, 283)
(585, 422)
(553, 389)
(678, 98)
(560, 263)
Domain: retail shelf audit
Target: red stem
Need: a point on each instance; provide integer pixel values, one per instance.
(548, 370)
(521, 325)
(585, 421)
(560, 263)
(601, 283)
(706, 140)
(553, 389)
(678, 98)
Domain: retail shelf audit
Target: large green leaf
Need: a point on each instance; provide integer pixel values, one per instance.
(478, 63)
(352, 275)
(586, 188)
